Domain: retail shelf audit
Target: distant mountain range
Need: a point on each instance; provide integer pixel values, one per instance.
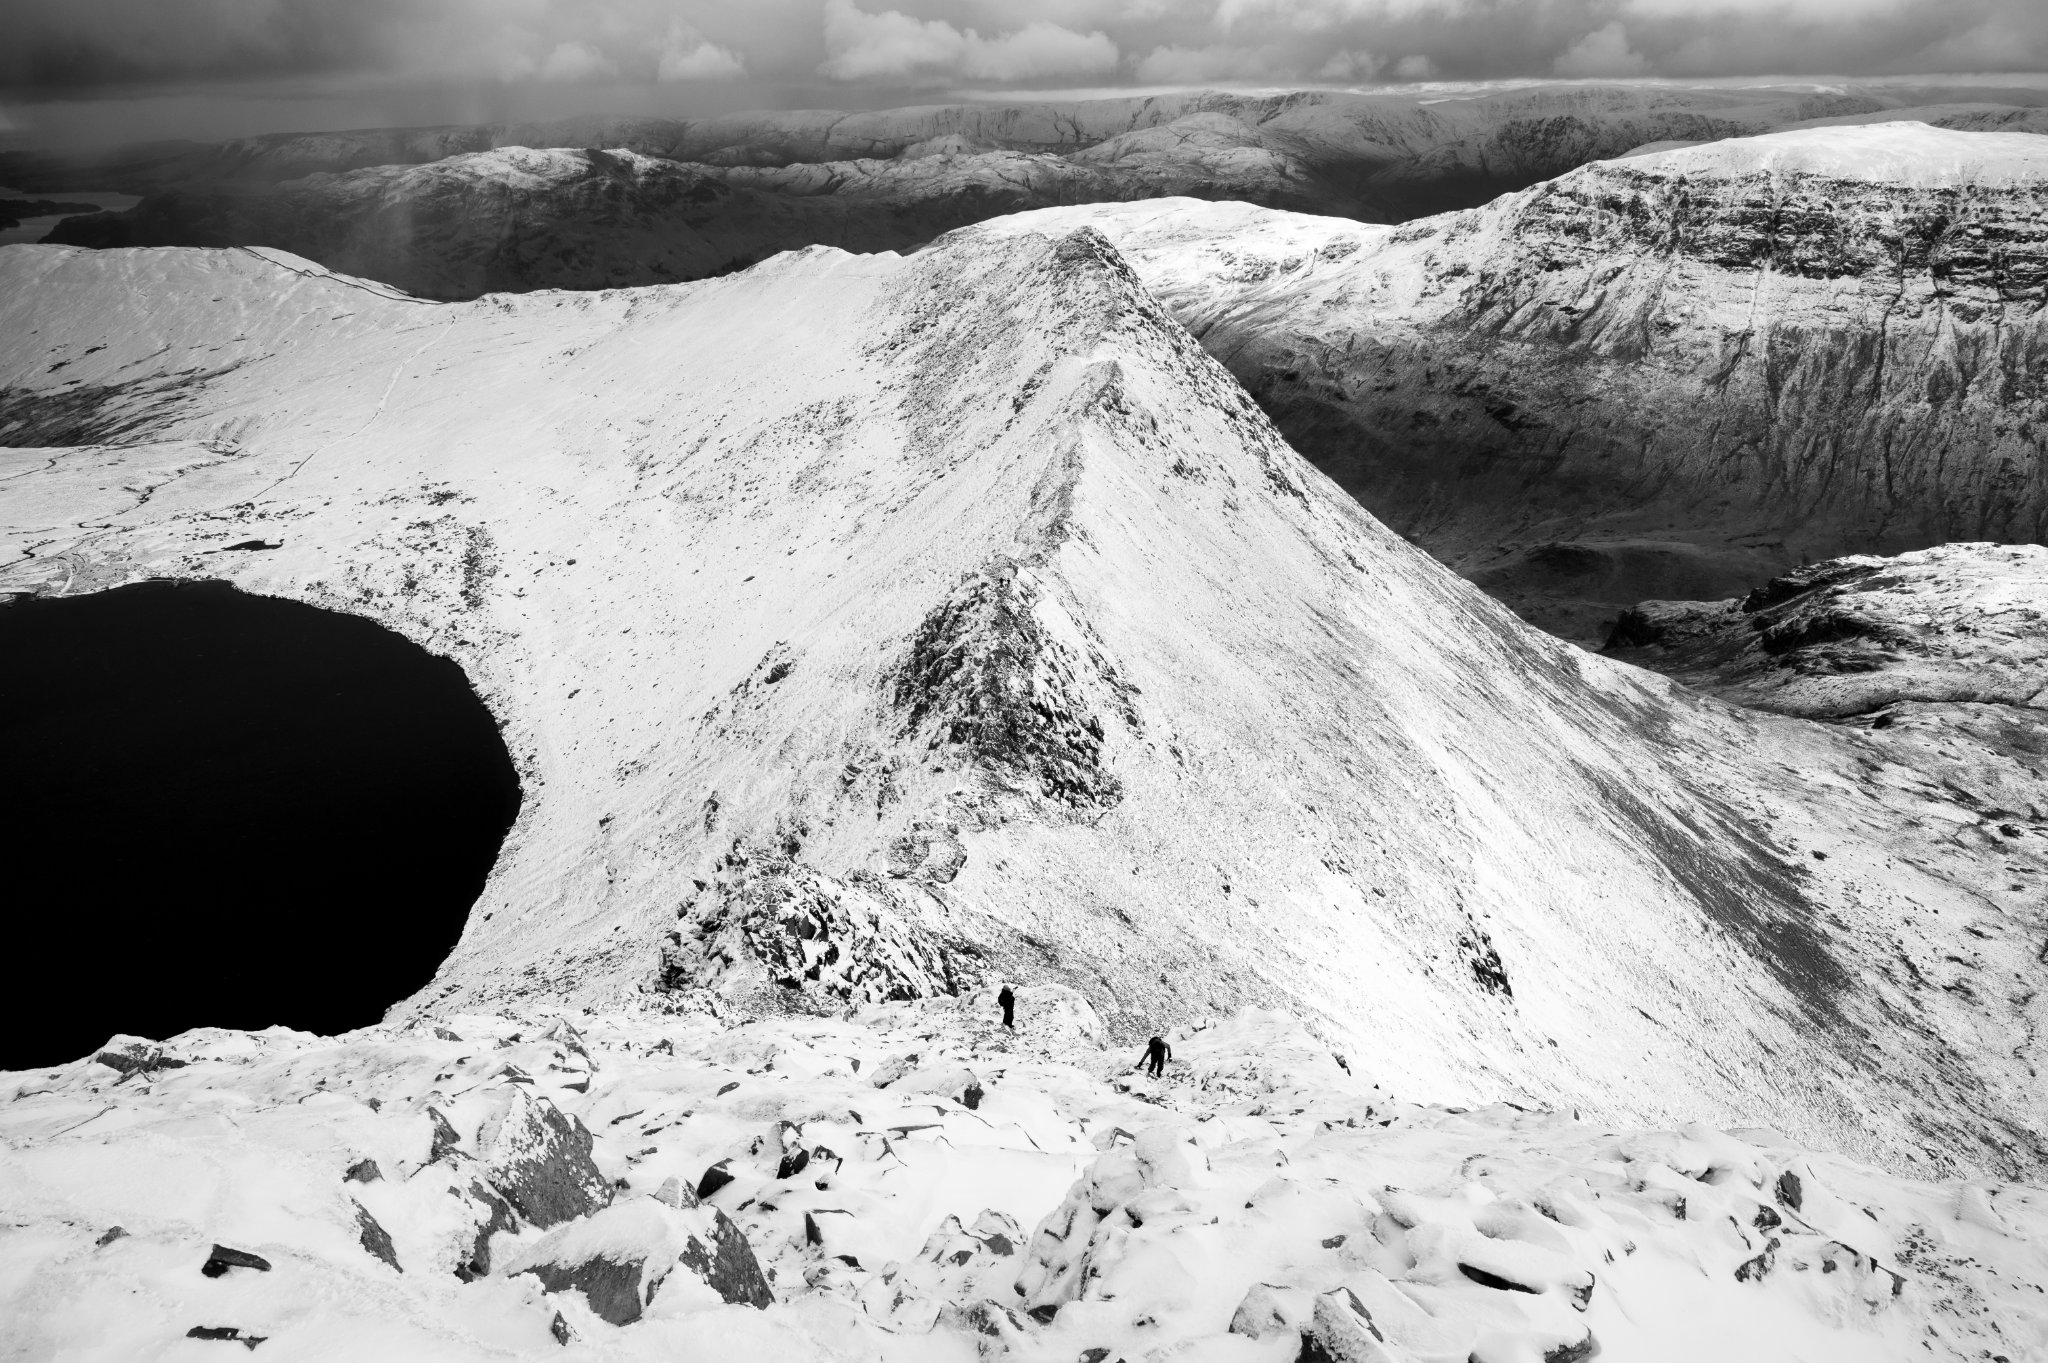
(458, 211)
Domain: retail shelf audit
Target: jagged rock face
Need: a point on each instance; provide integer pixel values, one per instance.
(955, 616)
(1666, 376)
(455, 212)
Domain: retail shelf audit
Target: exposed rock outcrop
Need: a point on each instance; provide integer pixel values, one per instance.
(1666, 376)
(766, 929)
(621, 1257)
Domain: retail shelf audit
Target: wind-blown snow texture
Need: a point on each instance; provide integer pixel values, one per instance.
(1672, 375)
(913, 1182)
(862, 626)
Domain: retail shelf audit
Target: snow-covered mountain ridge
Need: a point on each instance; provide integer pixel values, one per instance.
(1672, 375)
(863, 627)
(914, 1182)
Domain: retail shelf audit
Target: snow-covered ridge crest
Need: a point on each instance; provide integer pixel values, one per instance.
(960, 608)
(1670, 376)
(1908, 154)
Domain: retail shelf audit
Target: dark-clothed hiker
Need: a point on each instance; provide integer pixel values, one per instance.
(1157, 1053)
(1009, 1003)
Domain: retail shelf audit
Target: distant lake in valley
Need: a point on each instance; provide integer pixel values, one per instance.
(34, 229)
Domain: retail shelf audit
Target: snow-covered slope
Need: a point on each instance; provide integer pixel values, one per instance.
(863, 625)
(915, 1183)
(1671, 376)
(1940, 656)
(1853, 636)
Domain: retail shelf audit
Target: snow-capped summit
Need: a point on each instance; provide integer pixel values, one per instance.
(1903, 154)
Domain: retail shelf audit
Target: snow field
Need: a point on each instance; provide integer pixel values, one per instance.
(1261, 1193)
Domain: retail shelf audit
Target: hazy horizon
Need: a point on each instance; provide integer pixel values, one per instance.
(107, 71)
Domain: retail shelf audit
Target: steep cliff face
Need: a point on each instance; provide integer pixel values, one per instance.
(1671, 375)
(865, 626)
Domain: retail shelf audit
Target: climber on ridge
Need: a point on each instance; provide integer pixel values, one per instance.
(1009, 1006)
(1157, 1053)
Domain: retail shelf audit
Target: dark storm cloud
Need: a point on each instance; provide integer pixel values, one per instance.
(66, 47)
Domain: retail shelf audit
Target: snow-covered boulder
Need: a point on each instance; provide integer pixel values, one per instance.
(619, 1258)
(223, 1201)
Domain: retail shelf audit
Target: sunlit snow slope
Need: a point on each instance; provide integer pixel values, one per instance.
(864, 626)
(1671, 375)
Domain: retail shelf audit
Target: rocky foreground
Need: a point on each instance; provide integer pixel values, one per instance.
(1667, 376)
(913, 1182)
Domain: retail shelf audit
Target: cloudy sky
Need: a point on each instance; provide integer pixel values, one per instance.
(104, 68)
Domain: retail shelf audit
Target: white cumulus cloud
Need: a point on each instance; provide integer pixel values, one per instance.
(686, 55)
(1038, 51)
(1603, 52)
(892, 45)
(576, 61)
(1352, 65)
